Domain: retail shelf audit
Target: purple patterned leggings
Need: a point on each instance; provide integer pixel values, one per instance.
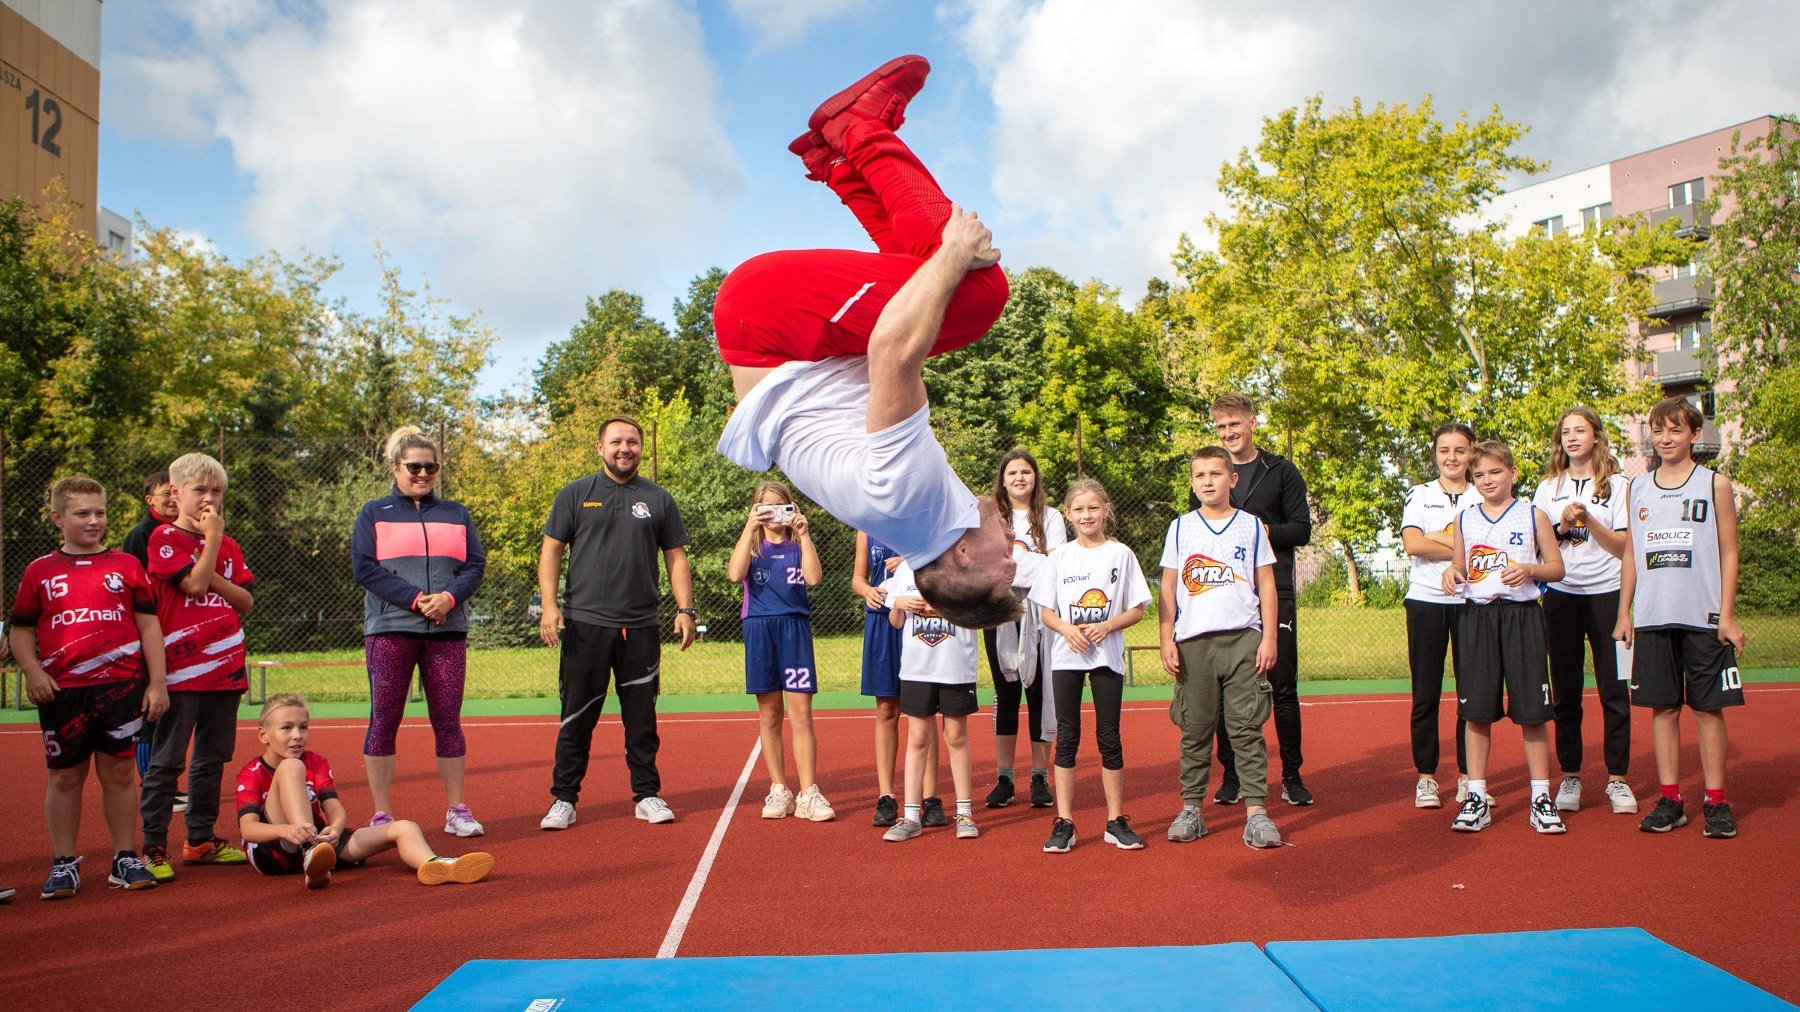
(441, 663)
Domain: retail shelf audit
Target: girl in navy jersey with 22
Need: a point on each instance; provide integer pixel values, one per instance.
(776, 562)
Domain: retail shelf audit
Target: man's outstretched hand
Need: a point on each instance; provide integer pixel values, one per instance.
(964, 234)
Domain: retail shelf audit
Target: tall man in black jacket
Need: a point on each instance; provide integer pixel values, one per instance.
(1269, 487)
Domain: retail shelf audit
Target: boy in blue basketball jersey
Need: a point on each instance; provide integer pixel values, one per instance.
(775, 561)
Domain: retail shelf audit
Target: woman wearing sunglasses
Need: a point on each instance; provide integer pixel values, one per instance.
(418, 559)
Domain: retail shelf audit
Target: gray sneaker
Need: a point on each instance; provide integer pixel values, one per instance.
(1260, 832)
(1188, 826)
(1568, 794)
(902, 831)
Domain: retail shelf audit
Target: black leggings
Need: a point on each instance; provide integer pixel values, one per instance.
(1430, 629)
(1109, 692)
(1007, 693)
(1573, 623)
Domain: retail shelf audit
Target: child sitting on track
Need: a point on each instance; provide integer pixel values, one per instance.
(1504, 552)
(85, 634)
(938, 662)
(775, 561)
(293, 822)
(1089, 592)
(1217, 612)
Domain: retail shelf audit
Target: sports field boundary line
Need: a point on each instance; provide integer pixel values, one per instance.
(416, 723)
(691, 899)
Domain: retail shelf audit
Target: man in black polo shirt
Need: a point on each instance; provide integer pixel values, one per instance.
(612, 523)
(1269, 487)
(159, 496)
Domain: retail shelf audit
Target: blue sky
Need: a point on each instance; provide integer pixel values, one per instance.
(522, 156)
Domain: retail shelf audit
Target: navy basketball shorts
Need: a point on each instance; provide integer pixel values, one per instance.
(778, 655)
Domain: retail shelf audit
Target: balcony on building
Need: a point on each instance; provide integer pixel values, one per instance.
(1689, 294)
(1690, 221)
(1679, 366)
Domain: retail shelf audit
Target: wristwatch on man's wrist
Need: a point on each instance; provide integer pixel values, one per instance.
(691, 613)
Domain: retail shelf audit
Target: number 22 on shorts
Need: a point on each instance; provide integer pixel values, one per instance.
(797, 679)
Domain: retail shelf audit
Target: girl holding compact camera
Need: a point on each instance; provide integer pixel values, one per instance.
(776, 561)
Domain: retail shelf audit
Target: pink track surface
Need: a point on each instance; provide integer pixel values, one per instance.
(1364, 863)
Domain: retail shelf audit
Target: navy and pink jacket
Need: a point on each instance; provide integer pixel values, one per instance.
(403, 549)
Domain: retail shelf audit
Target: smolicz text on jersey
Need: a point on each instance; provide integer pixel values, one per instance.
(1669, 549)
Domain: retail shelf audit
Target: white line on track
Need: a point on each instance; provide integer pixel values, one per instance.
(691, 899)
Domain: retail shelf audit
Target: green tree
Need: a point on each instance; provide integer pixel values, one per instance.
(1358, 292)
(614, 328)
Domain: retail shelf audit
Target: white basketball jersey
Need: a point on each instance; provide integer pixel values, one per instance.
(1490, 544)
(1431, 509)
(1675, 547)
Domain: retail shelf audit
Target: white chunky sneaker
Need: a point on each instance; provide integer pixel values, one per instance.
(812, 806)
(459, 822)
(1425, 794)
(1544, 817)
(560, 816)
(655, 810)
(779, 804)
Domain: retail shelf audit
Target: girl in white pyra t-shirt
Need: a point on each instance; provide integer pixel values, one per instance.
(1091, 590)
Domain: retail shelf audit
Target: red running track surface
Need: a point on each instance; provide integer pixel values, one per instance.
(1365, 864)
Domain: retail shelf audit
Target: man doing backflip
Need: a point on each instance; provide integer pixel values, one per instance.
(826, 349)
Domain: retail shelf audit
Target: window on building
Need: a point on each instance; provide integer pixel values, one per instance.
(1550, 227)
(1591, 216)
(1704, 400)
(1687, 270)
(1691, 192)
(1688, 336)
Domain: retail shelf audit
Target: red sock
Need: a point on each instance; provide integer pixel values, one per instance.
(1672, 792)
(1715, 797)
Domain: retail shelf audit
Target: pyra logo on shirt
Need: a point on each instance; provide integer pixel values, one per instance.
(640, 510)
(1201, 573)
(932, 629)
(1484, 560)
(113, 583)
(1089, 607)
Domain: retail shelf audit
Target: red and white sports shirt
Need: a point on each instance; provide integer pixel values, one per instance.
(82, 608)
(202, 638)
(254, 779)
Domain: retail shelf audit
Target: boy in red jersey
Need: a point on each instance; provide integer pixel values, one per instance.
(201, 587)
(85, 633)
(293, 822)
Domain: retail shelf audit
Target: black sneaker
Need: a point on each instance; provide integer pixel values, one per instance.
(1668, 814)
(887, 812)
(1227, 794)
(1294, 792)
(931, 813)
(1719, 824)
(1040, 792)
(1062, 837)
(1002, 794)
(1119, 834)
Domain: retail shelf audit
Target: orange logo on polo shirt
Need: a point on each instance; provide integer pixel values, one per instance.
(590, 504)
(1484, 560)
(1090, 607)
(1201, 573)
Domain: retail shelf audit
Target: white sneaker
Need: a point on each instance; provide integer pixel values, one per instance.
(1425, 794)
(1623, 802)
(654, 810)
(459, 822)
(1544, 818)
(560, 816)
(1568, 794)
(812, 806)
(1472, 815)
(778, 805)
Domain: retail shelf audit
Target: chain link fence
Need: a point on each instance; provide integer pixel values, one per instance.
(292, 504)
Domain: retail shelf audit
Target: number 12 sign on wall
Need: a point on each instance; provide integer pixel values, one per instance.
(50, 101)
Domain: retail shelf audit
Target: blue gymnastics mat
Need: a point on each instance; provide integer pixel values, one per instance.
(1602, 968)
(1235, 975)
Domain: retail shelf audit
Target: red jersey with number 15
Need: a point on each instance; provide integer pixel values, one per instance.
(82, 607)
(202, 638)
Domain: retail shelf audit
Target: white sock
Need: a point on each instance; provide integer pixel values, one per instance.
(1478, 787)
(1540, 789)
(912, 813)
(965, 806)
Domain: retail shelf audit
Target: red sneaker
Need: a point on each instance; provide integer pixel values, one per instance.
(882, 94)
(815, 154)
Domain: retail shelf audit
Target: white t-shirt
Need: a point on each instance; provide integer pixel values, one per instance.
(1056, 533)
(1431, 510)
(931, 649)
(1084, 585)
(1587, 568)
(811, 418)
(1215, 567)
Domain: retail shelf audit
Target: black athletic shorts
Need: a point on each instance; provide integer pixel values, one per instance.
(1670, 667)
(925, 699)
(1501, 649)
(104, 719)
(274, 859)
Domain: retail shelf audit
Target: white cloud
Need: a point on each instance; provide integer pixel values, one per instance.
(526, 153)
(777, 24)
(1111, 120)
